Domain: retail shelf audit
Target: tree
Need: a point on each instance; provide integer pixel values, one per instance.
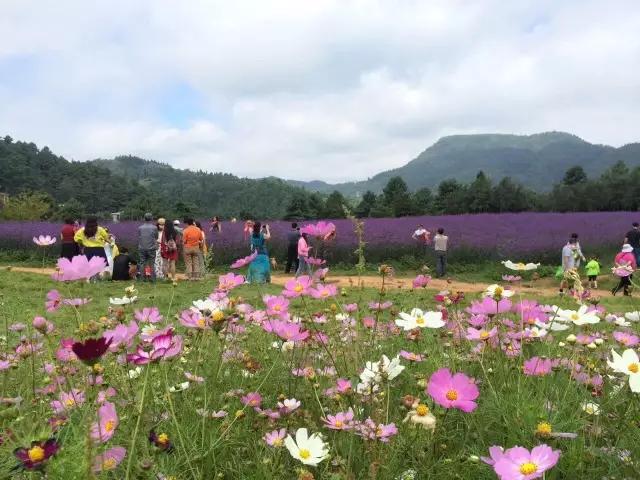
(334, 205)
(297, 209)
(574, 176)
(508, 196)
(366, 204)
(451, 197)
(71, 209)
(184, 209)
(397, 197)
(27, 206)
(423, 201)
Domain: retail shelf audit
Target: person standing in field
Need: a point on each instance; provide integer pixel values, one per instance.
(216, 225)
(191, 239)
(260, 267)
(169, 250)
(440, 243)
(593, 270)
(633, 239)
(578, 251)
(292, 248)
(625, 265)
(92, 238)
(158, 262)
(303, 253)
(568, 261)
(147, 247)
(69, 247)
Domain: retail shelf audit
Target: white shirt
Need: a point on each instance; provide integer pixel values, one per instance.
(421, 234)
(440, 242)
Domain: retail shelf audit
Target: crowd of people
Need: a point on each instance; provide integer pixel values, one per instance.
(440, 244)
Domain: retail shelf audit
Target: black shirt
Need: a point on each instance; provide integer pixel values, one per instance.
(293, 237)
(633, 238)
(121, 266)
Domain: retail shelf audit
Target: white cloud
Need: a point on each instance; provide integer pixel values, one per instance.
(329, 89)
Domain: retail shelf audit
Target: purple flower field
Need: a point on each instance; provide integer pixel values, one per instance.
(500, 234)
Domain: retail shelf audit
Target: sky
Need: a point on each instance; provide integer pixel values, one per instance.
(332, 90)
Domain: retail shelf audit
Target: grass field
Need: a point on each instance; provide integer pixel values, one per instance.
(235, 356)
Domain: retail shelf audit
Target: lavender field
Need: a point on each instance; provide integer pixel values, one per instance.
(529, 235)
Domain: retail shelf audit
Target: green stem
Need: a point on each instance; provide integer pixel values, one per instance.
(132, 447)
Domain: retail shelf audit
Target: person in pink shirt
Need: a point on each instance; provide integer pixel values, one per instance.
(625, 265)
(303, 253)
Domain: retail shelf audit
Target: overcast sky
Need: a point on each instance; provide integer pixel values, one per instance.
(312, 89)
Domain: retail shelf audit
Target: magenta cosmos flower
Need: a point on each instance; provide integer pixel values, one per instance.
(275, 438)
(160, 347)
(109, 459)
(488, 306)
(121, 336)
(91, 350)
(67, 401)
(297, 287)
(421, 281)
(229, 281)
(340, 421)
(243, 262)
(34, 457)
(453, 391)
(252, 399)
(320, 229)
(148, 315)
(518, 463)
(193, 319)
(537, 366)
(287, 331)
(107, 423)
(78, 268)
(481, 334)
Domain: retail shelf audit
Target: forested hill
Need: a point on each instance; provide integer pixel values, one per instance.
(134, 185)
(536, 161)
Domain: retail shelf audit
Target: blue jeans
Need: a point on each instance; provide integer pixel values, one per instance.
(441, 263)
(636, 252)
(303, 267)
(147, 258)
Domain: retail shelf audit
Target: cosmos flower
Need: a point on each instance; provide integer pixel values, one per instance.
(44, 240)
(275, 438)
(453, 391)
(537, 366)
(297, 287)
(162, 346)
(243, 262)
(419, 319)
(67, 401)
(319, 230)
(276, 304)
(421, 281)
(193, 319)
(518, 463)
(340, 421)
(121, 336)
(34, 457)
(107, 423)
(310, 450)
(412, 357)
(229, 281)
(323, 291)
(629, 364)
(475, 334)
(582, 316)
(148, 315)
(497, 292)
(109, 459)
(420, 414)
(161, 441)
(520, 266)
(626, 338)
(91, 350)
(78, 268)
(122, 300)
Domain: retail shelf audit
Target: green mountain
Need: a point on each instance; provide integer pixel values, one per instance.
(537, 161)
(134, 185)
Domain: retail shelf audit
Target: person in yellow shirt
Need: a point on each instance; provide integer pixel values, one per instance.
(92, 239)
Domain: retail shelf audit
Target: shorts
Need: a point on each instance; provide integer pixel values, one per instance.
(592, 278)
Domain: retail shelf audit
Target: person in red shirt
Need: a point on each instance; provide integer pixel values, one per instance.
(69, 247)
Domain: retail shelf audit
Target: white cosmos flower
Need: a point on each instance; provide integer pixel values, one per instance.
(632, 316)
(208, 306)
(520, 267)
(498, 292)
(44, 240)
(578, 317)
(179, 388)
(290, 404)
(135, 373)
(419, 319)
(536, 332)
(591, 408)
(374, 372)
(122, 301)
(553, 325)
(629, 364)
(310, 450)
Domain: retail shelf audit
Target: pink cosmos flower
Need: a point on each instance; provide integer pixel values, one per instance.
(104, 395)
(42, 325)
(65, 352)
(350, 307)
(17, 327)
(148, 315)
(104, 429)
(368, 322)
(477, 321)
(193, 378)
(54, 301)
(369, 430)
(488, 306)
(315, 261)
(511, 278)
(495, 454)
(340, 421)
(76, 302)
(343, 385)
(453, 391)
(276, 305)
(275, 438)
(377, 306)
(269, 413)
(193, 319)
(109, 459)
(319, 230)
(537, 366)
(412, 357)
(78, 268)
(626, 338)
(161, 347)
(67, 401)
(251, 399)
(288, 331)
(481, 335)
(229, 281)
(323, 291)
(421, 281)
(121, 336)
(297, 287)
(243, 262)
(288, 405)
(320, 274)
(44, 240)
(518, 463)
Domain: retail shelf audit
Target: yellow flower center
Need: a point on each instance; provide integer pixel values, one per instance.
(528, 468)
(544, 429)
(201, 323)
(277, 442)
(36, 454)
(575, 316)
(163, 439)
(70, 402)
(109, 426)
(420, 320)
(217, 316)
(339, 423)
(298, 288)
(277, 308)
(304, 453)
(109, 464)
(633, 367)
(520, 266)
(452, 395)
(422, 410)
(484, 335)
(498, 292)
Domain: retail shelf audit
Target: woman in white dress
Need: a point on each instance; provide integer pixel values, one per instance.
(158, 264)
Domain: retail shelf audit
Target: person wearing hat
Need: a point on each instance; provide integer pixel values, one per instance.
(147, 247)
(625, 265)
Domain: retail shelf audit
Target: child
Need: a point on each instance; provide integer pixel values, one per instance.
(124, 267)
(593, 270)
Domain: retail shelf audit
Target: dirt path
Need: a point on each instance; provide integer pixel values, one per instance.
(543, 287)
